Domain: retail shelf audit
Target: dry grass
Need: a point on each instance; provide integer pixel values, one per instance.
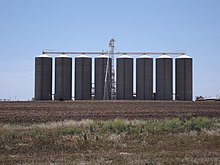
(191, 140)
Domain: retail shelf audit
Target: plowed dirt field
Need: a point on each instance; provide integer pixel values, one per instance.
(38, 112)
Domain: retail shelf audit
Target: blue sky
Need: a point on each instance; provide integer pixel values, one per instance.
(28, 26)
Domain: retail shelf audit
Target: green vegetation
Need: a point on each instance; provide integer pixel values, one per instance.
(173, 125)
(182, 140)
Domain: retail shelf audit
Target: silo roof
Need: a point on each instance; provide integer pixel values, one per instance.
(184, 56)
(63, 55)
(164, 56)
(43, 55)
(124, 56)
(145, 56)
(102, 56)
(82, 56)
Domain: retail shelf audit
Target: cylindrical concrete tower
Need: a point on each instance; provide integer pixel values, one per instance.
(124, 81)
(43, 77)
(83, 77)
(164, 78)
(101, 63)
(144, 78)
(184, 78)
(63, 78)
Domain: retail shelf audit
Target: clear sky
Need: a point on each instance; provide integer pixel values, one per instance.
(28, 26)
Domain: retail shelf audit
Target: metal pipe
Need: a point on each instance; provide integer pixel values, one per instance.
(123, 53)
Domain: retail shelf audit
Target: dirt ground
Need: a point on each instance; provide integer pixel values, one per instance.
(41, 111)
(16, 146)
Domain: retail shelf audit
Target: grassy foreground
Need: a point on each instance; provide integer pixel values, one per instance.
(182, 140)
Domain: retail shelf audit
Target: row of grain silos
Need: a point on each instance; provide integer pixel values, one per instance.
(43, 78)
(124, 79)
(164, 78)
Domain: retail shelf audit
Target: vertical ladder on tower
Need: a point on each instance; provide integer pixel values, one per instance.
(110, 84)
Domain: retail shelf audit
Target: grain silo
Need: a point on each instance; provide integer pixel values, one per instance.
(184, 78)
(144, 78)
(164, 78)
(43, 77)
(124, 81)
(83, 77)
(63, 78)
(101, 76)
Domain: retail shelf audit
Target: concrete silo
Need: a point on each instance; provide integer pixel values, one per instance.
(83, 77)
(63, 78)
(164, 78)
(101, 63)
(144, 78)
(184, 78)
(124, 81)
(43, 77)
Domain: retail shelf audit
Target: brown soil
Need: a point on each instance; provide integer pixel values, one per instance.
(38, 112)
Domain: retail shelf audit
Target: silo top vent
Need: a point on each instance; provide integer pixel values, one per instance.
(184, 56)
